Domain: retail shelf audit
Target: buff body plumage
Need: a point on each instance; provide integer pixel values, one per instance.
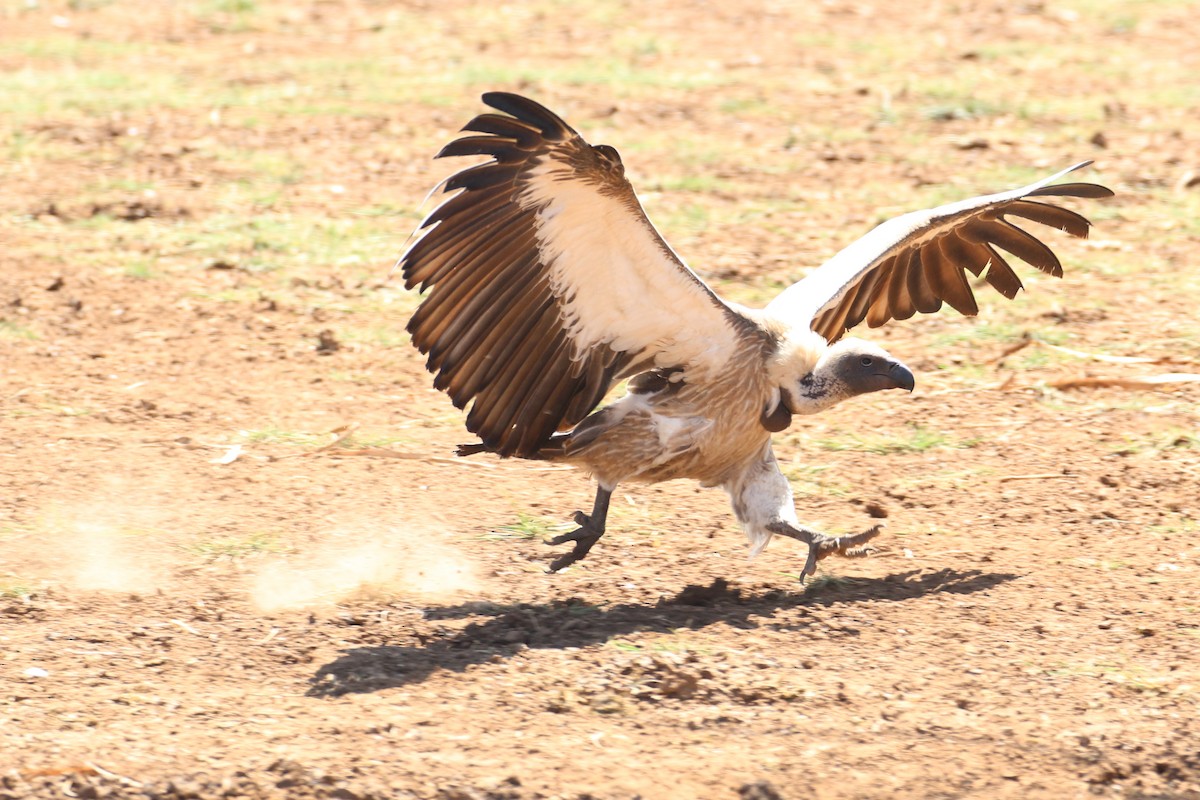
(547, 285)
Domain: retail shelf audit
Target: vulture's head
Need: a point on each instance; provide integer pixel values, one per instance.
(844, 370)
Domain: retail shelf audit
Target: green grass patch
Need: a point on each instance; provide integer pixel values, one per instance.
(274, 435)
(75, 92)
(989, 331)
(1180, 525)
(810, 479)
(236, 546)
(16, 588)
(361, 439)
(16, 332)
(695, 182)
(321, 441)
(661, 643)
(14, 530)
(1133, 677)
(1159, 441)
(943, 479)
(357, 250)
(914, 439)
(383, 336)
(142, 270)
(1102, 564)
(528, 526)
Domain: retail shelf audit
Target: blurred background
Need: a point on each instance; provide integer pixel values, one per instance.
(297, 136)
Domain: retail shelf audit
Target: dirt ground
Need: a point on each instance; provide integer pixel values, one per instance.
(237, 556)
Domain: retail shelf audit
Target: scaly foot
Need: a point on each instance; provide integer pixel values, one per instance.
(586, 535)
(822, 545)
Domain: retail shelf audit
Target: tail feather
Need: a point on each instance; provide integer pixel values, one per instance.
(552, 449)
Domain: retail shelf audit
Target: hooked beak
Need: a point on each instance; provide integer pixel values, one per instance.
(901, 376)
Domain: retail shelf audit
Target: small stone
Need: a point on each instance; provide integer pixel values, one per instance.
(327, 343)
(759, 790)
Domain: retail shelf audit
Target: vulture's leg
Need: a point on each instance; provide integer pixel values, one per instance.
(762, 500)
(822, 544)
(590, 529)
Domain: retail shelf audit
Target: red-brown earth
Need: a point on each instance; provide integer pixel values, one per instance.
(237, 556)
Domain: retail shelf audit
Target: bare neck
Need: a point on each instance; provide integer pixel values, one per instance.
(816, 393)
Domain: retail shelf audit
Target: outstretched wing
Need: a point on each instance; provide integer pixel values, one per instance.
(914, 262)
(548, 283)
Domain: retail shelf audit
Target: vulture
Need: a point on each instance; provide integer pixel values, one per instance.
(544, 284)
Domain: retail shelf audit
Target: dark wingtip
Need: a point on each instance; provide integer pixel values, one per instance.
(1089, 191)
(526, 110)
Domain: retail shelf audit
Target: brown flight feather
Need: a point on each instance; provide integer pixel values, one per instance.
(925, 273)
(492, 326)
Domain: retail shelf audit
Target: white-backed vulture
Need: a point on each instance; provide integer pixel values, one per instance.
(547, 285)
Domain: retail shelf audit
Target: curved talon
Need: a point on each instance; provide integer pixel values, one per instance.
(810, 565)
(822, 546)
(583, 537)
(591, 528)
(580, 534)
(843, 544)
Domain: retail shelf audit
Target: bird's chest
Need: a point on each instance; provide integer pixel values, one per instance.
(723, 433)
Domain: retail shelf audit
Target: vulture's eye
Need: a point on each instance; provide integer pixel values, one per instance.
(866, 361)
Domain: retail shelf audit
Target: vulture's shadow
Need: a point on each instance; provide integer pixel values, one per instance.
(573, 623)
